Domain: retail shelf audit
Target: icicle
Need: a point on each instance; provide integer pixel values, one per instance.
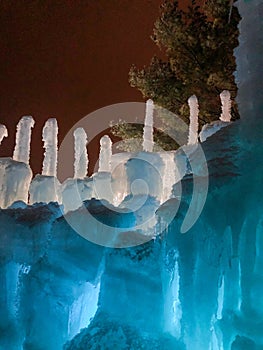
(49, 137)
(193, 127)
(105, 154)
(81, 156)
(3, 132)
(148, 127)
(226, 106)
(23, 138)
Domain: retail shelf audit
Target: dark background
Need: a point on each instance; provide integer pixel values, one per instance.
(65, 59)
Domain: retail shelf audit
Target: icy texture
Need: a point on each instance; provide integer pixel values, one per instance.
(119, 177)
(211, 128)
(45, 189)
(105, 154)
(169, 174)
(226, 106)
(201, 290)
(193, 127)
(50, 139)
(75, 191)
(3, 132)
(148, 127)
(23, 138)
(15, 178)
(81, 156)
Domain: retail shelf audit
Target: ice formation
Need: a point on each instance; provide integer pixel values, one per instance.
(148, 127)
(3, 132)
(81, 156)
(226, 106)
(193, 127)
(201, 290)
(46, 187)
(105, 154)
(50, 139)
(15, 179)
(224, 120)
(23, 138)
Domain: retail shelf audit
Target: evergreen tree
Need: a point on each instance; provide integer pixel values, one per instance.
(199, 46)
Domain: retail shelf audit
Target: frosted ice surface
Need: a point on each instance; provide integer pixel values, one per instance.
(169, 174)
(23, 138)
(148, 127)
(15, 178)
(81, 156)
(75, 191)
(50, 139)
(45, 189)
(119, 177)
(102, 188)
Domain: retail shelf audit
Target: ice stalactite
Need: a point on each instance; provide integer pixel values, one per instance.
(81, 156)
(23, 138)
(50, 139)
(3, 132)
(226, 106)
(105, 154)
(148, 127)
(193, 127)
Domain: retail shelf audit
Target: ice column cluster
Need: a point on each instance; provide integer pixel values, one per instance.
(201, 290)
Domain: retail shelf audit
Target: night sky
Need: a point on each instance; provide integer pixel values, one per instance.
(65, 59)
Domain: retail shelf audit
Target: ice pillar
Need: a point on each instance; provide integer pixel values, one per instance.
(3, 132)
(193, 127)
(148, 127)
(105, 154)
(226, 106)
(50, 139)
(81, 156)
(23, 138)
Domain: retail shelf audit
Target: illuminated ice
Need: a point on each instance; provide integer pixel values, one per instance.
(148, 127)
(23, 139)
(193, 127)
(224, 120)
(16, 174)
(200, 290)
(46, 187)
(105, 154)
(81, 157)
(3, 132)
